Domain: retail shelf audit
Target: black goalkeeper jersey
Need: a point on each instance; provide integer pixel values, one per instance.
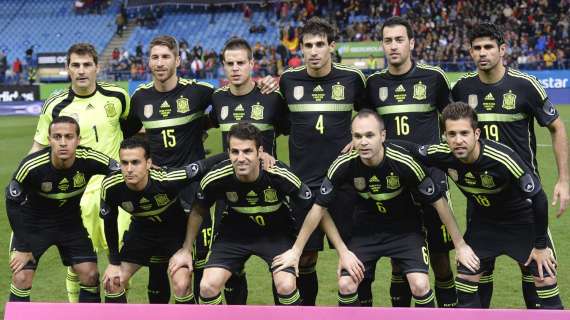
(265, 111)
(320, 111)
(174, 120)
(506, 110)
(387, 192)
(410, 103)
(257, 207)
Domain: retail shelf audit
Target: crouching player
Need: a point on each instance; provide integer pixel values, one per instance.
(387, 219)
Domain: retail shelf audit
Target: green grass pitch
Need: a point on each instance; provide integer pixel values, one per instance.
(16, 138)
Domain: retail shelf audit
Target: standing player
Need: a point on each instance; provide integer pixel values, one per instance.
(101, 109)
(158, 221)
(259, 221)
(409, 97)
(386, 220)
(42, 202)
(507, 102)
(509, 208)
(320, 97)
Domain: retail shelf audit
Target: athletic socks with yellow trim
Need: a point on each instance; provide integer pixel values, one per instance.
(467, 294)
(400, 293)
(235, 290)
(19, 295)
(529, 291)
(72, 285)
(292, 299)
(486, 289)
(425, 301)
(89, 294)
(120, 297)
(365, 293)
(158, 290)
(445, 292)
(187, 299)
(348, 300)
(308, 284)
(549, 297)
(213, 300)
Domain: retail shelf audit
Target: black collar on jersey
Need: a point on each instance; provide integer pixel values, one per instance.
(403, 75)
(496, 84)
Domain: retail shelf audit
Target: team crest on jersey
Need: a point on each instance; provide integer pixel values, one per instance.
(383, 93)
(420, 91)
(257, 112)
(472, 101)
(78, 180)
(164, 109)
(147, 111)
(224, 112)
(46, 186)
(487, 181)
(509, 100)
(63, 184)
(392, 182)
(161, 199)
(298, 92)
(270, 195)
(182, 105)
(360, 183)
(337, 92)
(239, 113)
(110, 110)
(128, 206)
(232, 196)
(452, 173)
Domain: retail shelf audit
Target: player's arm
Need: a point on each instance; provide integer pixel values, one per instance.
(443, 95)
(36, 146)
(15, 196)
(130, 123)
(109, 213)
(560, 145)
(183, 257)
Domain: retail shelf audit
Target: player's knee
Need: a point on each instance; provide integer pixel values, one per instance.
(419, 286)
(346, 285)
(181, 284)
(547, 281)
(209, 288)
(23, 279)
(285, 286)
(308, 258)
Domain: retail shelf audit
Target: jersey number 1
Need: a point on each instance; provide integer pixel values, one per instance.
(168, 138)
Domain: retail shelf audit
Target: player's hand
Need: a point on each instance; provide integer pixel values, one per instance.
(544, 259)
(289, 258)
(112, 278)
(562, 193)
(465, 255)
(267, 84)
(181, 259)
(267, 160)
(19, 259)
(348, 148)
(349, 262)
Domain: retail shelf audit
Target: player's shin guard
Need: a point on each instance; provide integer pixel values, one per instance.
(467, 294)
(445, 292)
(19, 295)
(120, 297)
(365, 293)
(486, 289)
(529, 291)
(89, 294)
(213, 300)
(348, 300)
(235, 290)
(72, 285)
(425, 301)
(400, 293)
(308, 284)
(187, 299)
(549, 297)
(292, 299)
(158, 289)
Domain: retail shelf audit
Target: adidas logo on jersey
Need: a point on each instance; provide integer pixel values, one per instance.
(469, 175)
(318, 89)
(90, 107)
(489, 96)
(374, 179)
(400, 88)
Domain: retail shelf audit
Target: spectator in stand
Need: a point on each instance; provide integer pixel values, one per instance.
(198, 51)
(549, 58)
(295, 61)
(3, 66)
(247, 13)
(121, 23)
(197, 67)
(17, 70)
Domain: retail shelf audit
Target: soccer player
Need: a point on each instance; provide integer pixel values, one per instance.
(386, 220)
(509, 208)
(321, 96)
(259, 221)
(409, 96)
(507, 102)
(158, 221)
(42, 202)
(101, 109)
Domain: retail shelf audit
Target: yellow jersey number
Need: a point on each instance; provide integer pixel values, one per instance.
(169, 138)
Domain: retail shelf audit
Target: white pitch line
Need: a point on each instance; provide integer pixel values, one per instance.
(544, 145)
